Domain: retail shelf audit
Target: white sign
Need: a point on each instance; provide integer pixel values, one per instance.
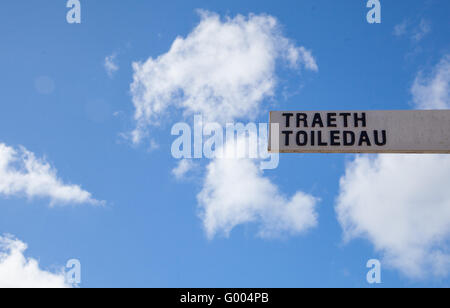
(413, 131)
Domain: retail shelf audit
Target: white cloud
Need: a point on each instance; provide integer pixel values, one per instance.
(17, 271)
(223, 69)
(183, 167)
(110, 65)
(21, 173)
(401, 203)
(433, 92)
(235, 192)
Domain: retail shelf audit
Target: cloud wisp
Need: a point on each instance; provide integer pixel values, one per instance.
(111, 65)
(182, 168)
(417, 33)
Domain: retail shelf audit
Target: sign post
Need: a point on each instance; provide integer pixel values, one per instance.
(412, 131)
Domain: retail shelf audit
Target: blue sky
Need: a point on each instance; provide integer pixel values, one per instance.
(148, 233)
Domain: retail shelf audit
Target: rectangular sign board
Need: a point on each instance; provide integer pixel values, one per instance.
(411, 131)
